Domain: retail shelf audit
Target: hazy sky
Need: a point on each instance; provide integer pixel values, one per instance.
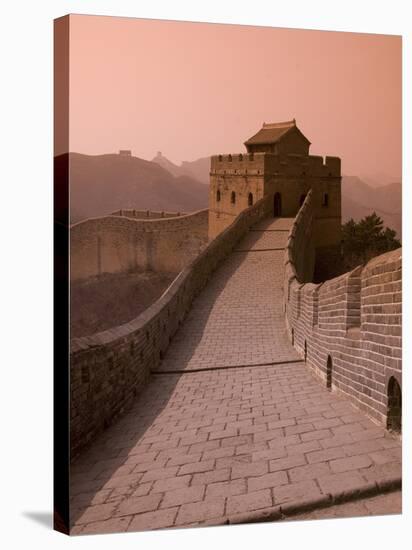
(196, 89)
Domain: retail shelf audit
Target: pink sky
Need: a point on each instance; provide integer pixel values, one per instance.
(196, 89)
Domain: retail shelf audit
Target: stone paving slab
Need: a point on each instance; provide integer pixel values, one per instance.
(205, 446)
(274, 224)
(238, 318)
(263, 240)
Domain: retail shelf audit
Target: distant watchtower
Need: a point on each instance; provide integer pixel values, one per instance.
(277, 163)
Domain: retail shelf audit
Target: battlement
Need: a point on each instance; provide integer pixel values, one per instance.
(273, 164)
(146, 214)
(238, 163)
(348, 329)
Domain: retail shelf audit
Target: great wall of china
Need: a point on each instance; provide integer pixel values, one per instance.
(244, 370)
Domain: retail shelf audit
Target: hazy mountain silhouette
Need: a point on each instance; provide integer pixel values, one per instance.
(378, 179)
(103, 183)
(198, 169)
(167, 164)
(360, 200)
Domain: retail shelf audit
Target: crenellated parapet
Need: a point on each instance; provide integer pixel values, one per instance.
(146, 214)
(291, 164)
(348, 328)
(286, 173)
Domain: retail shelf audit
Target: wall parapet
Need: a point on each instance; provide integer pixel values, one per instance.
(149, 214)
(110, 368)
(276, 164)
(348, 328)
(122, 243)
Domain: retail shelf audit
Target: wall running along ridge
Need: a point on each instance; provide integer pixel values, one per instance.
(128, 241)
(355, 319)
(108, 369)
(146, 214)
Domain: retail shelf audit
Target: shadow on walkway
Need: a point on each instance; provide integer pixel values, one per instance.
(117, 451)
(112, 450)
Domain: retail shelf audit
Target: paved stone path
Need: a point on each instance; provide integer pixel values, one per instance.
(202, 447)
(238, 319)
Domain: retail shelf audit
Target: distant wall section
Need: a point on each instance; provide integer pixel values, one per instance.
(124, 243)
(146, 214)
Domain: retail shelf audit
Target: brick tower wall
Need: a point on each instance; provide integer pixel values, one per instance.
(290, 175)
(242, 174)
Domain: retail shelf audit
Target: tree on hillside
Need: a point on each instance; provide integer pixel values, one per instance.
(363, 240)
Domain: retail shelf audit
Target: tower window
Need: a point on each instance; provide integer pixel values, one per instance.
(229, 158)
(220, 158)
(250, 199)
(233, 197)
(218, 196)
(325, 200)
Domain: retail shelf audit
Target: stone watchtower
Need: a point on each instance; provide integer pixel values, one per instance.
(277, 163)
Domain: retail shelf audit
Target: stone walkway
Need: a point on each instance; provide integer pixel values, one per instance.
(238, 319)
(209, 445)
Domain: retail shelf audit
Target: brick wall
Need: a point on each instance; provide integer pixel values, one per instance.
(124, 242)
(108, 369)
(354, 319)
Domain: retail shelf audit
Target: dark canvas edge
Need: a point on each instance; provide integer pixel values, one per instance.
(61, 426)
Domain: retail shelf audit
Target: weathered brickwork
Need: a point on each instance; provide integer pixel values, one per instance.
(239, 178)
(233, 426)
(229, 423)
(130, 239)
(109, 368)
(348, 328)
(278, 164)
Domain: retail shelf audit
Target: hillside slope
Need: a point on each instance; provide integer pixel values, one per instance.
(198, 169)
(103, 183)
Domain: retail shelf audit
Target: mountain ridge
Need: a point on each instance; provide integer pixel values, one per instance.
(100, 184)
(114, 181)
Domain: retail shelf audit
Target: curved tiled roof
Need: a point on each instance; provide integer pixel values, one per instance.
(273, 132)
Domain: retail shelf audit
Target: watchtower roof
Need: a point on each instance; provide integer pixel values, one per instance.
(273, 132)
